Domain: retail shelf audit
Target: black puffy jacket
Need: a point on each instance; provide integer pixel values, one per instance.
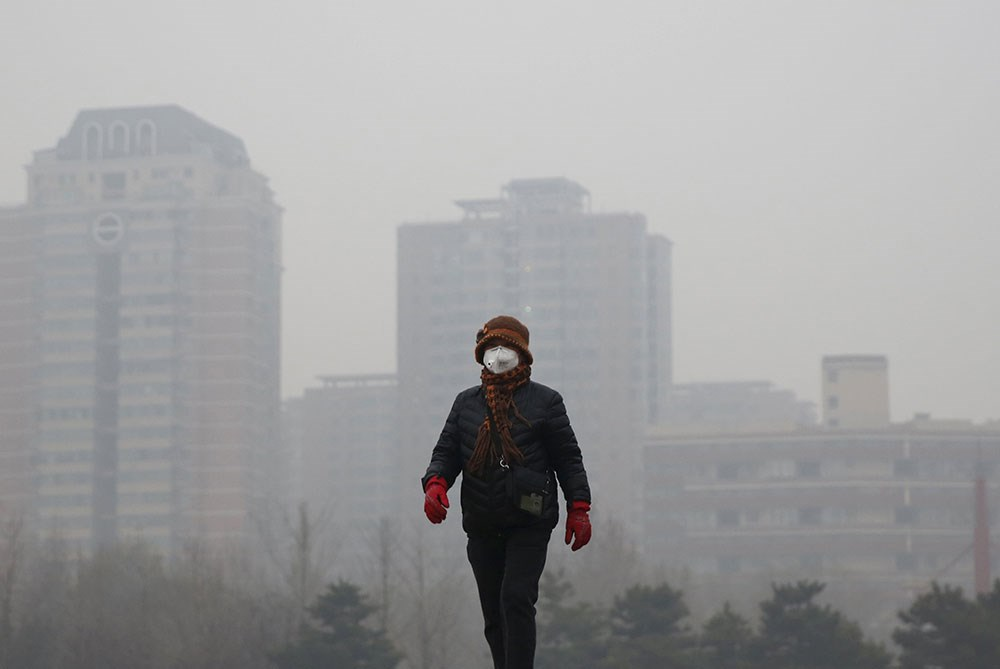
(547, 443)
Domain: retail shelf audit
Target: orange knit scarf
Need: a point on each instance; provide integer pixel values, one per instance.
(499, 390)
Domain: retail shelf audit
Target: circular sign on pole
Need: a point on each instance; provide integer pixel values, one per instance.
(107, 231)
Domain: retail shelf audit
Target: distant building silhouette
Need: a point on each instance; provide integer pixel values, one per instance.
(594, 290)
(140, 288)
(734, 406)
(882, 509)
(894, 503)
(344, 433)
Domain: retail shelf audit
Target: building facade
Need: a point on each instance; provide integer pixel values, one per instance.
(346, 442)
(140, 385)
(594, 290)
(884, 510)
(855, 391)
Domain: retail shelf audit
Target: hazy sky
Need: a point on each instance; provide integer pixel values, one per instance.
(828, 171)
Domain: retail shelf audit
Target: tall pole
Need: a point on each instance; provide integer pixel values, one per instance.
(981, 537)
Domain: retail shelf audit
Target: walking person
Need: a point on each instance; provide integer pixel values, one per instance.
(511, 440)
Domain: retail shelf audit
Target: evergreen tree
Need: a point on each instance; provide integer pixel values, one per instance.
(569, 634)
(797, 633)
(944, 629)
(338, 636)
(726, 641)
(647, 631)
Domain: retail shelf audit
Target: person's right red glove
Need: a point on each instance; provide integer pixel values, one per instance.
(436, 499)
(578, 524)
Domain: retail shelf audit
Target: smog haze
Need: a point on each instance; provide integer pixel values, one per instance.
(825, 171)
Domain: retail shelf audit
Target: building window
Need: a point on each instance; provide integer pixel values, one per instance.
(906, 515)
(728, 472)
(808, 469)
(93, 139)
(810, 516)
(728, 518)
(118, 138)
(777, 469)
(729, 564)
(145, 132)
(831, 375)
(811, 562)
(904, 468)
(114, 185)
(832, 402)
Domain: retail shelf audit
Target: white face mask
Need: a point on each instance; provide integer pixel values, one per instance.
(500, 359)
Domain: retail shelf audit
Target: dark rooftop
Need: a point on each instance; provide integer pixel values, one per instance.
(163, 129)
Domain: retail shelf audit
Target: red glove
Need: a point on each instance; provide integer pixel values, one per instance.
(578, 524)
(436, 499)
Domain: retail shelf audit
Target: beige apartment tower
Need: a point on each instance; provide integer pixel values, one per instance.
(140, 284)
(855, 391)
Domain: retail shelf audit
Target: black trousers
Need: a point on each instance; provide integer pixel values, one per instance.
(508, 566)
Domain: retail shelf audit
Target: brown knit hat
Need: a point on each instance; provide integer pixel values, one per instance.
(503, 330)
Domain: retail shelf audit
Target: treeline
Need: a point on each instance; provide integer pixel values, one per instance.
(648, 627)
(129, 607)
(126, 608)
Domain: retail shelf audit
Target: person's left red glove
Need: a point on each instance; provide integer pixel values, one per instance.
(578, 524)
(436, 499)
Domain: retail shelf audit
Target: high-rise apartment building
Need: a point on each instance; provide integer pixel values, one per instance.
(139, 349)
(594, 290)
